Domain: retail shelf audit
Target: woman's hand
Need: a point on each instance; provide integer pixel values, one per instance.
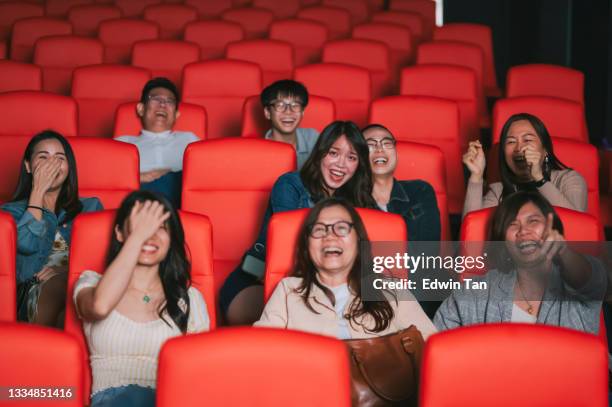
(145, 219)
(475, 161)
(553, 242)
(44, 174)
(533, 158)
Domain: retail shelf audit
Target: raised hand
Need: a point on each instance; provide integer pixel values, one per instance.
(145, 219)
(553, 242)
(475, 160)
(533, 159)
(44, 174)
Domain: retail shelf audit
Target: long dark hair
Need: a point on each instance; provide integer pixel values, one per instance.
(68, 198)
(358, 189)
(174, 270)
(506, 213)
(380, 311)
(509, 180)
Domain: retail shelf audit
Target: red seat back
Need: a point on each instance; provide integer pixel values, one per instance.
(348, 86)
(397, 37)
(280, 9)
(176, 54)
(11, 155)
(12, 11)
(336, 19)
(210, 9)
(357, 8)
(19, 76)
(28, 30)
(192, 118)
(60, 8)
(213, 36)
(86, 19)
(44, 358)
(412, 21)
(425, 8)
(119, 36)
(134, 8)
(318, 114)
(526, 355)
(234, 201)
(275, 58)
(8, 278)
(307, 38)
(99, 90)
(427, 120)
(221, 87)
(545, 80)
(59, 55)
(91, 234)
(171, 18)
(272, 371)
(254, 21)
(284, 229)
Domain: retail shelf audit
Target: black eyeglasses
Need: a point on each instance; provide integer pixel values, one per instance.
(279, 106)
(386, 143)
(340, 229)
(161, 100)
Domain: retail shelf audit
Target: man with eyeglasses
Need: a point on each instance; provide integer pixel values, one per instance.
(160, 148)
(284, 103)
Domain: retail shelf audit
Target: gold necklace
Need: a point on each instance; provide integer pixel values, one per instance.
(529, 306)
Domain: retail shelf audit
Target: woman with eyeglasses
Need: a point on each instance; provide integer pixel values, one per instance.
(338, 166)
(324, 294)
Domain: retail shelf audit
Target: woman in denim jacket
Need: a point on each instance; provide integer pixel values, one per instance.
(44, 206)
(338, 166)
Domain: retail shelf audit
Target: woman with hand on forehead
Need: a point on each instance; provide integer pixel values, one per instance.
(526, 162)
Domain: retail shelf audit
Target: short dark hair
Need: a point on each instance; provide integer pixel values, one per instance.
(376, 126)
(287, 88)
(159, 82)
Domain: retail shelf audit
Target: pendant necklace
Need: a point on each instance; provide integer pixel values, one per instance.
(529, 306)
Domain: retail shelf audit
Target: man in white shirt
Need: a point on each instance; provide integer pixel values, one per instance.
(160, 148)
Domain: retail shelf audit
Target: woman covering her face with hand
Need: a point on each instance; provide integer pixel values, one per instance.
(44, 206)
(526, 162)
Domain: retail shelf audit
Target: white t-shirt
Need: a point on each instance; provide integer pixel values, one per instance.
(520, 315)
(161, 150)
(341, 293)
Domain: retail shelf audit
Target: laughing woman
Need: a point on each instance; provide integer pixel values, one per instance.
(143, 298)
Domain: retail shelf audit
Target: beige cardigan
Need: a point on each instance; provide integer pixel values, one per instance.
(286, 309)
(566, 188)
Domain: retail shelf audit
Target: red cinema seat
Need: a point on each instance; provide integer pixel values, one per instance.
(368, 54)
(275, 58)
(29, 30)
(450, 82)
(108, 169)
(425, 8)
(348, 86)
(280, 9)
(12, 11)
(164, 57)
(98, 91)
(398, 38)
(412, 21)
(527, 355)
(59, 55)
(459, 54)
(221, 87)
(283, 232)
(213, 36)
(358, 9)
(307, 38)
(235, 203)
(432, 121)
(562, 118)
(254, 21)
(210, 9)
(192, 118)
(318, 114)
(60, 8)
(41, 358)
(272, 371)
(19, 76)
(336, 19)
(11, 156)
(26, 113)
(171, 18)
(119, 36)
(86, 19)
(134, 8)
(90, 241)
(3, 50)
(545, 80)
(477, 34)
(8, 277)
(418, 161)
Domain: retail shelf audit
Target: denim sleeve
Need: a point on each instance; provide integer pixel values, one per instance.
(30, 232)
(430, 227)
(287, 193)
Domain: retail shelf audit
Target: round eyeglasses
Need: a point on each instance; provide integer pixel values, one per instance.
(161, 100)
(386, 143)
(340, 229)
(280, 107)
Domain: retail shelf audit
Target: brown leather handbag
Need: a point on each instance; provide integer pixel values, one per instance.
(385, 370)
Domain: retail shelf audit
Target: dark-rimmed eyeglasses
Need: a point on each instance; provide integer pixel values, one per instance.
(340, 229)
(161, 100)
(280, 107)
(386, 143)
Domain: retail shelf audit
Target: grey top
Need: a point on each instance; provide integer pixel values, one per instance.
(561, 304)
(306, 139)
